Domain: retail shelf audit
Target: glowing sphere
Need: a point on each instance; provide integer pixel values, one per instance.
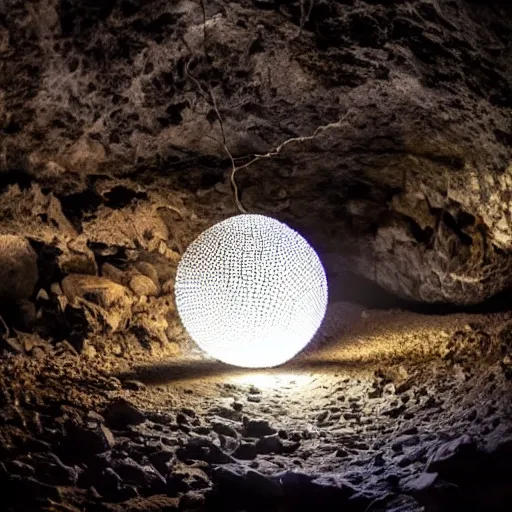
(251, 291)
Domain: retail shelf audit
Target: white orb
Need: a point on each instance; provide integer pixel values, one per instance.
(251, 291)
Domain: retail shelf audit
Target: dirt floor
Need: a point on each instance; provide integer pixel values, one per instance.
(386, 410)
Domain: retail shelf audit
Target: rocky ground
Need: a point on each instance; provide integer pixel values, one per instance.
(388, 410)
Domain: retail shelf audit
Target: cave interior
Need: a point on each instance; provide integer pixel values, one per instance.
(380, 130)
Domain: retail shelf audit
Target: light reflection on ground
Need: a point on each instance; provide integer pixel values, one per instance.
(267, 381)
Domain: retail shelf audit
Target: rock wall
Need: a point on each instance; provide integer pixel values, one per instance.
(107, 104)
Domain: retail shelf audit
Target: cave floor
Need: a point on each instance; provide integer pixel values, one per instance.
(386, 410)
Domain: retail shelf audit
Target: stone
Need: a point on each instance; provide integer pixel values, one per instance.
(130, 471)
(224, 429)
(86, 442)
(249, 481)
(120, 414)
(142, 285)
(188, 477)
(394, 412)
(133, 385)
(231, 475)
(11, 345)
(17, 467)
(148, 270)
(201, 448)
(322, 417)
(114, 274)
(53, 471)
(269, 444)
(237, 406)
(405, 440)
(246, 451)
(78, 262)
(109, 483)
(181, 419)
(253, 390)
(109, 299)
(258, 428)
(454, 457)
(94, 417)
(192, 501)
(262, 485)
(228, 413)
(419, 483)
(161, 460)
(18, 268)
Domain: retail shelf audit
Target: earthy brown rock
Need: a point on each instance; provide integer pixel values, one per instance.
(143, 285)
(78, 260)
(408, 186)
(114, 274)
(121, 413)
(18, 268)
(100, 295)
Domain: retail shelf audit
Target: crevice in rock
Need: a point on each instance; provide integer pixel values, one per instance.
(80, 204)
(120, 196)
(15, 177)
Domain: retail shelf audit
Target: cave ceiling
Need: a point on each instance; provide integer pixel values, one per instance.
(401, 113)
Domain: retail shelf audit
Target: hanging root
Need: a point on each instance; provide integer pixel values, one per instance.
(234, 169)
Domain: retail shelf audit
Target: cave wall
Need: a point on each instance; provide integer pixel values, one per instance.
(110, 115)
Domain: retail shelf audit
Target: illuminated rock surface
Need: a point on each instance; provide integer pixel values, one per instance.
(411, 190)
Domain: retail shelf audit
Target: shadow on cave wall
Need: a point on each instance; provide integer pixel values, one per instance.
(349, 287)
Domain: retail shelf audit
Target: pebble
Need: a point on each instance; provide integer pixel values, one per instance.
(258, 428)
(84, 441)
(148, 270)
(263, 485)
(130, 471)
(237, 406)
(269, 444)
(224, 429)
(405, 440)
(133, 385)
(253, 390)
(246, 451)
(161, 460)
(322, 416)
(78, 263)
(120, 414)
(142, 285)
(201, 448)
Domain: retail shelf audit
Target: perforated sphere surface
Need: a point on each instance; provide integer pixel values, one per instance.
(251, 291)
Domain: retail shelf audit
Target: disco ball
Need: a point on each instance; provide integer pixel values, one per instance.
(251, 291)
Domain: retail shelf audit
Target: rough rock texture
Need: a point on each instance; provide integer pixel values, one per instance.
(116, 118)
(103, 103)
(18, 268)
(393, 412)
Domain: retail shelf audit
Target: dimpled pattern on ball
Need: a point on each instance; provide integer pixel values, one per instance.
(251, 291)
